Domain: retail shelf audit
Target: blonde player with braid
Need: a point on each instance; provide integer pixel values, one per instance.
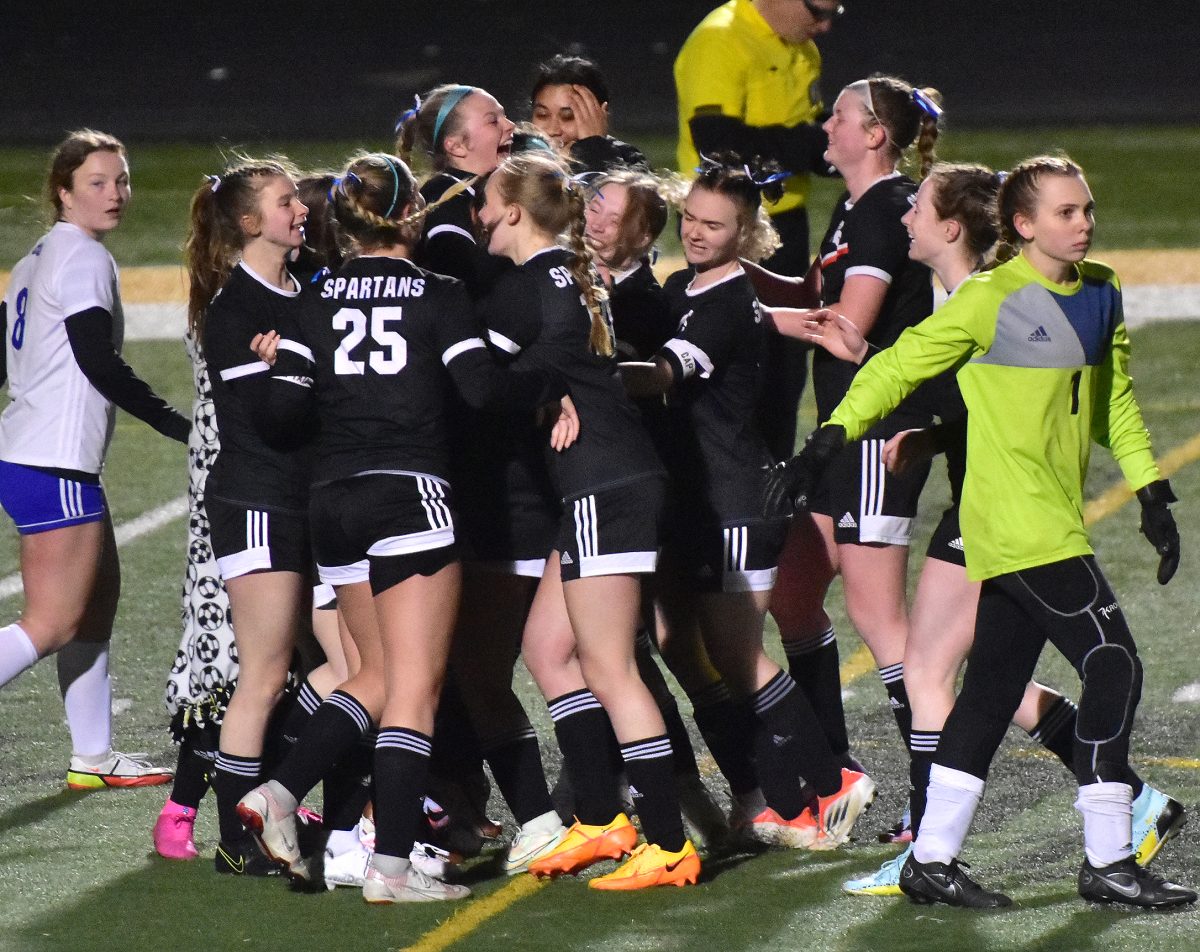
(612, 486)
(372, 349)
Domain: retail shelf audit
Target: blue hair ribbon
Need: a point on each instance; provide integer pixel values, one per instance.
(454, 96)
(408, 114)
(769, 180)
(926, 105)
(1001, 177)
(215, 180)
(324, 272)
(333, 186)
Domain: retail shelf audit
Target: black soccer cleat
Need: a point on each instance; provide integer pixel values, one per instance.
(1128, 883)
(926, 883)
(242, 858)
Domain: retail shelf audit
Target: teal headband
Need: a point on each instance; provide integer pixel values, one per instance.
(453, 98)
(391, 164)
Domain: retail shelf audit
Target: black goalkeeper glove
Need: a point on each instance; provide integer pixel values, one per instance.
(791, 483)
(1158, 526)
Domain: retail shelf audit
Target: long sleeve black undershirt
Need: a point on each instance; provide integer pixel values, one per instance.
(90, 335)
(799, 148)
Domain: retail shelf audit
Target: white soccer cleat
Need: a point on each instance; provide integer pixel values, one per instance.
(410, 886)
(271, 825)
(531, 844)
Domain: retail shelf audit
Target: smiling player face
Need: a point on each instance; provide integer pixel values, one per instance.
(710, 229)
(281, 214)
(485, 137)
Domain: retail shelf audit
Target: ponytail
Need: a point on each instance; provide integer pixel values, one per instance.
(215, 237)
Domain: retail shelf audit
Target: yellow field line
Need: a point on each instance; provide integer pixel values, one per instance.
(859, 663)
(469, 918)
(1117, 495)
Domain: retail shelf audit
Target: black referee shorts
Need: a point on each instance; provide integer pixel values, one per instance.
(382, 528)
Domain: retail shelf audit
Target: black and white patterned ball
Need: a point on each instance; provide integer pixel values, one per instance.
(209, 587)
(199, 551)
(206, 421)
(198, 523)
(212, 679)
(210, 616)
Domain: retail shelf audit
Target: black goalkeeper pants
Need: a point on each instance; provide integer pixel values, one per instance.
(1069, 604)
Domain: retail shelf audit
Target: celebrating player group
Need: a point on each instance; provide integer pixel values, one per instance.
(447, 417)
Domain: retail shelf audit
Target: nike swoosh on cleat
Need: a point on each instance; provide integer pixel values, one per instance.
(239, 867)
(1131, 891)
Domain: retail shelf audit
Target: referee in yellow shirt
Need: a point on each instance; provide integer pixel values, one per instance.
(747, 81)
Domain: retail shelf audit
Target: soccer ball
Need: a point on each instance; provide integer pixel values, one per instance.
(210, 617)
(212, 679)
(205, 422)
(199, 551)
(209, 587)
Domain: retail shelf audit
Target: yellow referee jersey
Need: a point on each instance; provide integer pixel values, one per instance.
(734, 63)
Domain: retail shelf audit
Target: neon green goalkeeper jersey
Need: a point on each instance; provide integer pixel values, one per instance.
(1043, 369)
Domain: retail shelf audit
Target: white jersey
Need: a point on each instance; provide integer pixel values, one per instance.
(56, 418)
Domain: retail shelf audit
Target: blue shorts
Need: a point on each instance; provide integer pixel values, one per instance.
(38, 501)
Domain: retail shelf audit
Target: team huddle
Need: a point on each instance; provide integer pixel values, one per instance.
(447, 417)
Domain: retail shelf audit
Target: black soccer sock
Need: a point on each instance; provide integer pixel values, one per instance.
(922, 745)
(329, 736)
(583, 732)
(233, 777)
(287, 724)
(401, 771)
(516, 763)
(726, 730)
(788, 743)
(192, 772)
(893, 681)
(652, 676)
(815, 666)
(456, 751)
(1056, 731)
(652, 787)
(347, 787)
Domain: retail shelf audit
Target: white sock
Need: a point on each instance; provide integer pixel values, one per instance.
(546, 823)
(950, 806)
(390, 866)
(17, 652)
(87, 695)
(343, 841)
(1107, 810)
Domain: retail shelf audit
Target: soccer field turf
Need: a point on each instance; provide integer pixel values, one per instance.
(76, 870)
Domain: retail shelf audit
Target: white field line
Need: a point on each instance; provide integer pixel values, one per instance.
(126, 532)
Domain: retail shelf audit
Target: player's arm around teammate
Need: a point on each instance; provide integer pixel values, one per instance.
(720, 554)
(861, 517)
(245, 225)
(64, 328)
(579, 642)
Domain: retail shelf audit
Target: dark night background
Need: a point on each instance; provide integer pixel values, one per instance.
(306, 70)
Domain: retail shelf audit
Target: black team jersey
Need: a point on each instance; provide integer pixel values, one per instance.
(376, 342)
(448, 244)
(714, 450)
(641, 317)
(549, 326)
(249, 470)
(867, 238)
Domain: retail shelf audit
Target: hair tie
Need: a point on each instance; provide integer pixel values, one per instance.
(453, 97)
(926, 105)
(216, 181)
(707, 164)
(769, 180)
(324, 272)
(1001, 178)
(408, 114)
(333, 186)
